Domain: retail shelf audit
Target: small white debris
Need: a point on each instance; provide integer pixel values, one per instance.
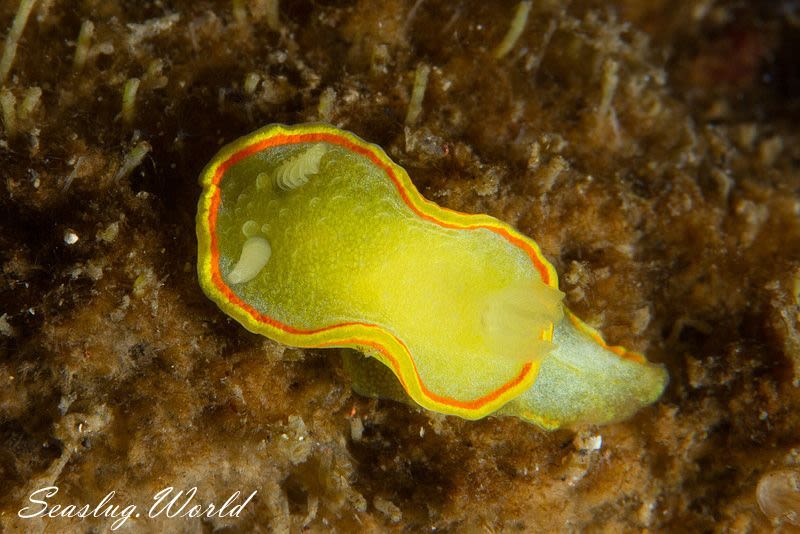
(129, 99)
(5, 328)
(109, 234)
(150, 28)
(30, 101)
(251, 81)
(417, 93)
(778, 496)
(388, 508)
(70, 237)
(356, 428)
(8, 108)
(327, 101)
(594, 443)
(548, 174)
(132, 160)
(586, 442)
(83, 46)
(609, 86)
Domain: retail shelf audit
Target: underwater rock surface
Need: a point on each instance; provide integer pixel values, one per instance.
(650, 148)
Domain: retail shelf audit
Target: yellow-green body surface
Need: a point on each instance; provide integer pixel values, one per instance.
(315, 238)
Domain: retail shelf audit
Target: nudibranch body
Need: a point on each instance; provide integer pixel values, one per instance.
(315, 238)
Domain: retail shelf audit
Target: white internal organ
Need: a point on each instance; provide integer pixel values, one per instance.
(297, 170)
(255, 255)
(514, 318)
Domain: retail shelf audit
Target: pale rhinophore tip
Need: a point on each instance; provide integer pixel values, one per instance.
(515, 317)
(255, 255)
(296, 172)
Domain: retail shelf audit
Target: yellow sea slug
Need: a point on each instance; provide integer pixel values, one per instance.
(315, 238)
